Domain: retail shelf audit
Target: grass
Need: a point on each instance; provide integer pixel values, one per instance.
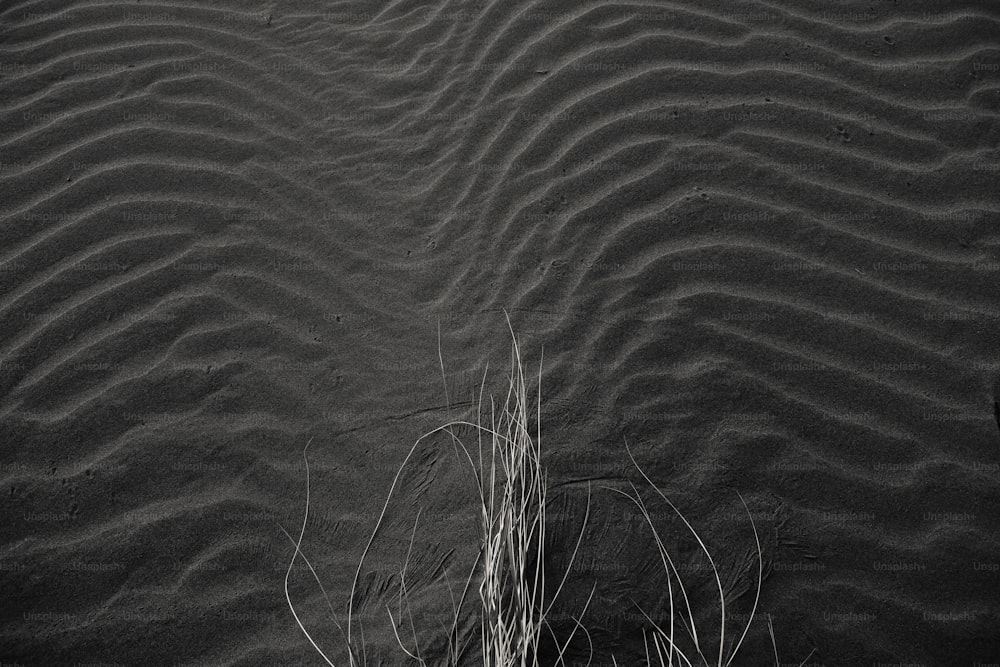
(666, 650)
(511, 484)
(513, 501)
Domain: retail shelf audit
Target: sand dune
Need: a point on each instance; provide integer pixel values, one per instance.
(757, 240)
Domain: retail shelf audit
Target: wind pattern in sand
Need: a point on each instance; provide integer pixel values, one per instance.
(757, 239)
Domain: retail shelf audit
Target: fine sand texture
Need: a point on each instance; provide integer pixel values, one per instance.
(755, 244)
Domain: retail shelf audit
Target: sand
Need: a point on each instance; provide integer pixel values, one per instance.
(758, 241)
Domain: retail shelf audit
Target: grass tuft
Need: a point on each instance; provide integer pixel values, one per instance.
(511, 484)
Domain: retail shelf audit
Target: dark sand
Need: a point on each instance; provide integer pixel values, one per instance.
(757, 240)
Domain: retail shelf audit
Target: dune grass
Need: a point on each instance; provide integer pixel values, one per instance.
(513, 501)
(665, 650)
(511, 484)
(664, 640)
